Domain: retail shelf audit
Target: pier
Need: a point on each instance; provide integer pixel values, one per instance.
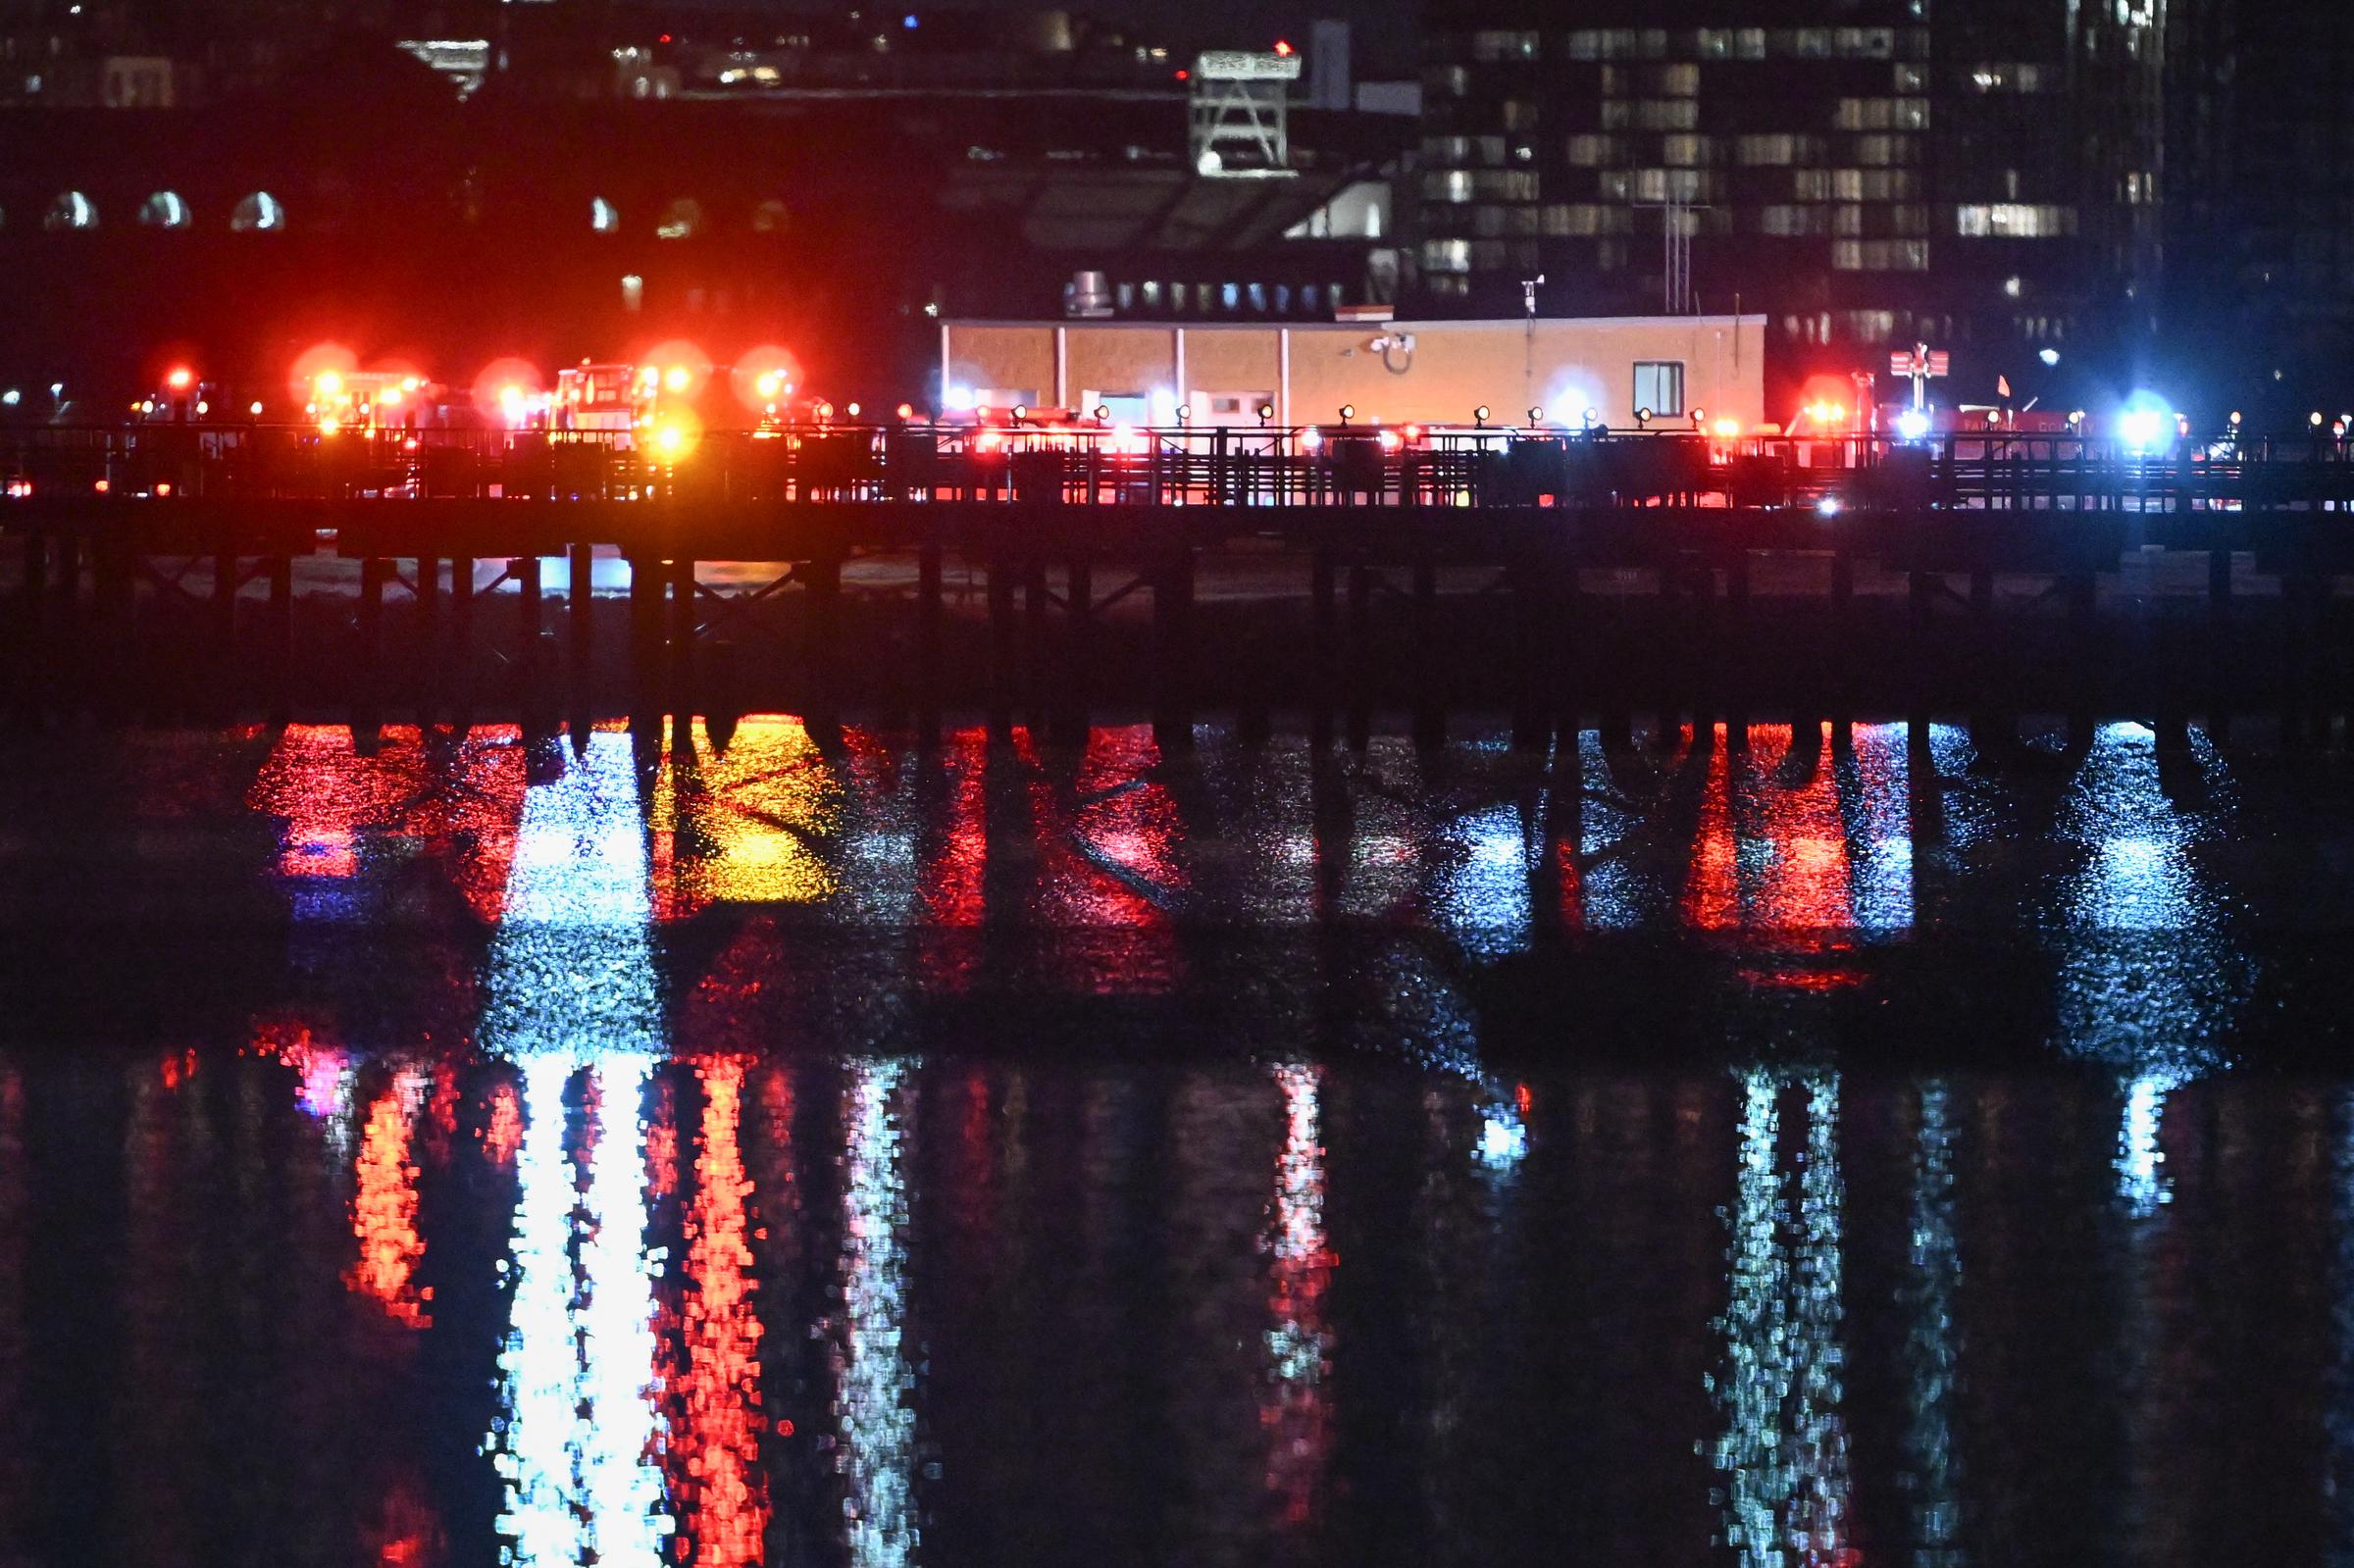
(1340, 579)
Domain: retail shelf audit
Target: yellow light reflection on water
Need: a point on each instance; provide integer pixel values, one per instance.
(755, 825)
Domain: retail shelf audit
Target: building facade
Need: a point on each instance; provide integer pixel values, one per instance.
(1983, 177)
(1395, 372)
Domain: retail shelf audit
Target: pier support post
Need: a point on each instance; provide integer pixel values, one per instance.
(1921, 597)
(1037, 678)
(579, 616)
(1667, 653)
(222, 702)
(1843, 651)
(427, 639)
(1532, 606)
(821, 651)
(1361, 665)
(929, 657)
(2221, 656)
(1173, 651)
(1324, 646)
(1004, 649)
(2081, 590)
(461, 642)
(114, 631)
(368, 678)
(680, 672)
(1731, 647)
(30, 651)
(1430, 665)
(1991, 735)
(1563, 674)
(281, 637)
(647, 590)
(1069, 721)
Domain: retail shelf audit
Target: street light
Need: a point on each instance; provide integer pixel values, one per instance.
(1266, 412)
(1536, 416)
(1348, 412)
(1480, 417)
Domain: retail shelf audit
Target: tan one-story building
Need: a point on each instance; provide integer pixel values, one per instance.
(1432, 373)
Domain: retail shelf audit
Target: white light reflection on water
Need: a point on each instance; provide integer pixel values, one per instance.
(2149, 979)
(1783, 1449)
(873, 1380)
(1295, 1413)
(570, 983)
(1485, 898)
(572, 961)
(1931, 1476)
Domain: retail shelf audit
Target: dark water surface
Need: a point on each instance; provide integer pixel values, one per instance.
(465, 1152)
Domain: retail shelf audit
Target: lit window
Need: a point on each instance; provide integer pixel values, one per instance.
(1438, 256)
(1659, 385)
(72, 210)
(258, 212)
(164, 209)
(2010, 220)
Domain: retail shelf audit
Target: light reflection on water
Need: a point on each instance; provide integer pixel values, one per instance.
(2149, 977)
(874, 1381)
(635, 1384)
(1783, 1448)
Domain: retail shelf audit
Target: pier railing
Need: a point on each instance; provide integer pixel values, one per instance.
(1350, 465)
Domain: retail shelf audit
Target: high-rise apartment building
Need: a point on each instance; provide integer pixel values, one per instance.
(1986, 177)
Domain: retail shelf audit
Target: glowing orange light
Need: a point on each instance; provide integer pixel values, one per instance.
(180, 378)
(383, 1214)
(677, 379)
(164, 488)
(389, 397)
(320, 361)
(103, 487)
(505, 391)
(329, 425)
(1283, 49)
(1729, 428)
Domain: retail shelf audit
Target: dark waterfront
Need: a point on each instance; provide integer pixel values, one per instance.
(467, 1152)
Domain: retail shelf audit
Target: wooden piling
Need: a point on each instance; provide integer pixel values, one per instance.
(821, 649)
(1843, 652)
(1173, 651)
(1360, 722)
(1004, 649)
(1069, 721)
(1324, 646)
(367, 681)
(281, 637)
(929, 655)
(2222, 655)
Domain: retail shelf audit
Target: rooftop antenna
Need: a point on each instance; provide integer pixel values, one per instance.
(1528, 333)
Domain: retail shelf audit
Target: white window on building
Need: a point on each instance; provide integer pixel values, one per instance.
(2012, 219)
(1659, 386)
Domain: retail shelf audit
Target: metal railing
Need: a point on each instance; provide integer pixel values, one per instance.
(1236, 467)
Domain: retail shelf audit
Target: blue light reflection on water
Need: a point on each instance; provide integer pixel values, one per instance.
(2149, 979)
(873, 1377)
(571, 984)
(1782, 1450)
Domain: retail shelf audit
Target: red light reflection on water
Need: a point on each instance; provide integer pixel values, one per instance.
(1296, 1418)
(1769, 855)
(460, 802)
(383, 1209)
(502, 1129)
(715, 1395)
